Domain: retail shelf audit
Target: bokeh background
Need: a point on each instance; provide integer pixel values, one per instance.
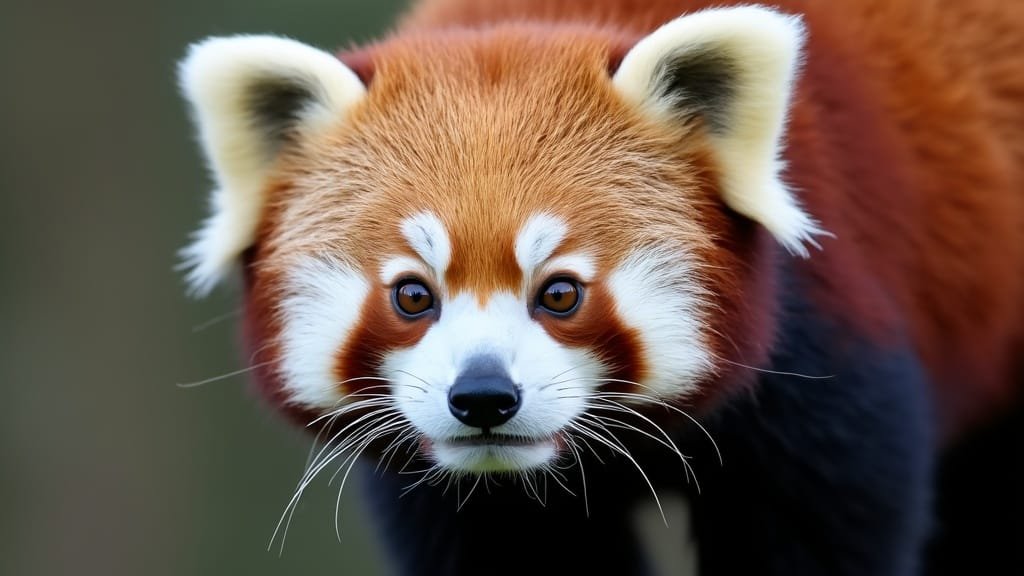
(108, 466)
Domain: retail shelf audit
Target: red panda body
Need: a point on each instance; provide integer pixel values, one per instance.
(521, 237)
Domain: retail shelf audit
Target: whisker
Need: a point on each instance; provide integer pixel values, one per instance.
(319, 463)
(598, 438)
(352, 459)
(411, 375)
(619, 407)
(358, 427)
(652, 400)
(409, 432)
(215, 320)
(369, 435)
(222, 376)
(603, 420)
(468, 496)
(560, 374)
(571, 441)
(559, 479)
(678, 410)
(775, 372)
(367, 400)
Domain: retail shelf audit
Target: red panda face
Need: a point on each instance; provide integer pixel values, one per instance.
(539, 262)
(491, 243)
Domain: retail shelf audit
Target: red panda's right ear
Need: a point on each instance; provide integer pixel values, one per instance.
(251, 96)
(734, 69)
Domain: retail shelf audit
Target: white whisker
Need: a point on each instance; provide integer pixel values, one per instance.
(216, 320)
(221, 376)
(468, 496)
(775, 372)
(598, 438)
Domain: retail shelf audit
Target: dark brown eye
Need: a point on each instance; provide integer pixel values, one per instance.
(560, 296)
(412, 298)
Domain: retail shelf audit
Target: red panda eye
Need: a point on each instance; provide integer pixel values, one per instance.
(412, 298)
(560, 296)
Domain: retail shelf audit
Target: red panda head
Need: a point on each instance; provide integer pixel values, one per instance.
(498, 238)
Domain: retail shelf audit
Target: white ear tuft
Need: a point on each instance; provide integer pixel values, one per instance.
(252, 95)
(734, 69)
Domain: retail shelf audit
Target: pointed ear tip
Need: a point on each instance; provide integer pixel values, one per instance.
(209, 61)
(214, 49)
(790, 22)
(198, 59)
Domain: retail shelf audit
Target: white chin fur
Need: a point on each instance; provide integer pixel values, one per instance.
(494, 458)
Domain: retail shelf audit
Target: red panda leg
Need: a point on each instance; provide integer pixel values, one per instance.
(980, 502)
(503, 528)
(821, 475)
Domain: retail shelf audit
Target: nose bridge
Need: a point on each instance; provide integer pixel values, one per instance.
(484, 366)
(486, 331)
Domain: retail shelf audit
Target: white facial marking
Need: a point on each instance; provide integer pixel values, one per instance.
(552, 379)
(398, 266)
(323, 304)
(537, 240)
(426, 235)
(656, 293)
(581, 265)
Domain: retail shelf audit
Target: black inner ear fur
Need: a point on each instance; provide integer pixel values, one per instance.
(700, 81)
(276, 107)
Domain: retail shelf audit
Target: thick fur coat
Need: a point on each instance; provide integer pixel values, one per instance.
(625, 247)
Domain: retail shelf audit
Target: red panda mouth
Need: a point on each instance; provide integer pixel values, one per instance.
(489, 452)
(490, 439)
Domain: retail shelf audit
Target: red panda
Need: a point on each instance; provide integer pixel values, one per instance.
(631, 246)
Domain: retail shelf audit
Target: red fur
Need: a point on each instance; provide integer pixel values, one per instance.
(905, 139)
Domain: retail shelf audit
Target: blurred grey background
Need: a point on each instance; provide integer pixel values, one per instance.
(108, 466)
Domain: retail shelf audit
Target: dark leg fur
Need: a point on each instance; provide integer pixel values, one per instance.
(502, 530)
(980, 524)
(824, 476)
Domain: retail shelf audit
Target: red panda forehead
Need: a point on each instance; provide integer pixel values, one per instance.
(485, 133)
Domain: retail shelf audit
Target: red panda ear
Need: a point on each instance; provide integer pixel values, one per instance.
(251, 96)
(733, 69)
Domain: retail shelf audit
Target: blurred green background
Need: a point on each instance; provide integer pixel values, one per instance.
(109, 467)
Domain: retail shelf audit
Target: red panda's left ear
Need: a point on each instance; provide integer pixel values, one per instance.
(734, 68)
(252, 97)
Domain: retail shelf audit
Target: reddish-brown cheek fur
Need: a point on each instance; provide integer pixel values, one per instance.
(379, 330)
(260, 336)
(596, 327)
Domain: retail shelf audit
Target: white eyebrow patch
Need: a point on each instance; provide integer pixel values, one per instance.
(538, 239)
(427, 236)
(580, 264)
(399, 265)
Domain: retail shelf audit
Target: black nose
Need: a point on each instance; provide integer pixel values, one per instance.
(483, 396)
